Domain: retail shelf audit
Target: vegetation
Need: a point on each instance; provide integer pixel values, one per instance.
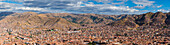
(16, 38)
(91, 43)
(9, 33)
(164, 26)
(30, 36)
(50, 30)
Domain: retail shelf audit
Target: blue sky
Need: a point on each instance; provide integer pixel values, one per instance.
(110, 7)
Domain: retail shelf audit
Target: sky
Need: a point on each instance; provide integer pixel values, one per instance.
(109, 7)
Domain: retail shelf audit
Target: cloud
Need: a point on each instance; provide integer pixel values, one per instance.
(159, 6)
(75, 6)
(139, 7)
(51, 4)
(163, 10)
(103, 9)
(29, 8)
(142, 3)
(7, 6)
(99, 8)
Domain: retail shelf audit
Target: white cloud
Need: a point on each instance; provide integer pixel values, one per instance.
(163, 10)
(2, 10)
(120, 8)
(139, 7)
(75, 6)
(159, 6)
(142, 3)
(99, 8)
(7, 6)
(29, 8)
(4, 6)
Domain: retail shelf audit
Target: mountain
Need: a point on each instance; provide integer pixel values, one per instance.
(167, 21)
(151, 19)
(31, 20)
(128, 21)
(88, 19)
(63, 21)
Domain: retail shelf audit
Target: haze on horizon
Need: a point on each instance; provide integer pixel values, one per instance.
(85, 6)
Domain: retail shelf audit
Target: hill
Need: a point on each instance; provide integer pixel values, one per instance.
(31, 20)
(147, 19)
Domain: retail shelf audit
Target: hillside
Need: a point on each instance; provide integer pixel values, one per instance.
(31, 28)
(147, 19)
(31, 20)
(87, 18)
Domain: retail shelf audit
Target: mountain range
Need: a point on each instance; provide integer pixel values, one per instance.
(151, 19)
(32, 20)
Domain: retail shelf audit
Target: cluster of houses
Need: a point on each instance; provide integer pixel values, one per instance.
(89, 35)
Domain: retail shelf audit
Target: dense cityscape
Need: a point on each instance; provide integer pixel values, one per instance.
(29, 28)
